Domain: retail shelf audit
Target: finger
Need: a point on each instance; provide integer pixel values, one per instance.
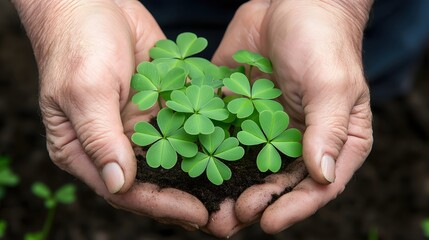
(308, 196)
(224, 223)
(143, 198)
(146, 30)
(253, 201)
(242, 32)
(327, 119)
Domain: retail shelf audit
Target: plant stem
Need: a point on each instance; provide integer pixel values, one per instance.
(219, 92)
(250, 72)
(48, 222)
(159, 102)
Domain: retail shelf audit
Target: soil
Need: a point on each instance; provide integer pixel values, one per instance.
(244, 175)
(390, 192)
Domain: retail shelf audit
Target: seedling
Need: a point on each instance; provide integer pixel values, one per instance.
(3, 227)
(65, 195)
(201, 126)
(7, 177)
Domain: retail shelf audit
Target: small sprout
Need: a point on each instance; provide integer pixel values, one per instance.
(215, 147)
(425, 227)
(254, 59)
(150, 82)
(258, 97)
(275, 136)
(3, 227)
(202, 104)
(172, 139)
(7, 177)
(65, 195)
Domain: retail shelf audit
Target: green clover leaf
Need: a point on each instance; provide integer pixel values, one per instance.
(253, 59)
(177, 54)
(165, 145)
(203, 106)
(259, 97)
(152, 80)
(215, 147)
(274, 134)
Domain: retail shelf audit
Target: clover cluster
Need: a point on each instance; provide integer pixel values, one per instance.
(201, 124)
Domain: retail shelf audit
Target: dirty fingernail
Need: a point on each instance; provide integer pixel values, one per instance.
(235, 230)
(328, 168)
(113, 177)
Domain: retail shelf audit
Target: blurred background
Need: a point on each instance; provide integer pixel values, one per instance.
(388, 198)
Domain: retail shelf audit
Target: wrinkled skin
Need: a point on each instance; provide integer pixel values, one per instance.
(88, 50)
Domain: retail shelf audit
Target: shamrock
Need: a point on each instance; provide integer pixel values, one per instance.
(150, 81)
(172, 139)
(202, 104)
(258, 97)
(215, 147)
(274, 135)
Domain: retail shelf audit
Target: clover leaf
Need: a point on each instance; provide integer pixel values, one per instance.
(178, 54)
(150, 81)
(164, 146)
(258, 97)
(203, 106)
(215, 147)
(274, 134)
(253, 59)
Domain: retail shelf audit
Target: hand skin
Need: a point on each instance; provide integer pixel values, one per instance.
(86, 52)
(315, 47)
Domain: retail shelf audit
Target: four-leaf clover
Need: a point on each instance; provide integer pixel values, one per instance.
(202, 104)
(258, 97)
(172, 139)
(215, 147)
(275, 136)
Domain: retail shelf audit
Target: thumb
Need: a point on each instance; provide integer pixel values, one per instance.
(94, 112)
(327, 118)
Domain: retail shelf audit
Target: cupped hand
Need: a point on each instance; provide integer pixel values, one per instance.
(315, 48)
(87, 52)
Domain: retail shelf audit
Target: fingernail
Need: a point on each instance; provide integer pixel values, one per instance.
(328, 168)
(113, 177)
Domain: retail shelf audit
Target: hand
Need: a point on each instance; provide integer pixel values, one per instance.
(87, 52)
(315, 48)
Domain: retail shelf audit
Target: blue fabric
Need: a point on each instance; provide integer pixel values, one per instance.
(397, 32)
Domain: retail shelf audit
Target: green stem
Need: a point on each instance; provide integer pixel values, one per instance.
(250, 72)
(159, 102)
(48, 222)
(219, 92)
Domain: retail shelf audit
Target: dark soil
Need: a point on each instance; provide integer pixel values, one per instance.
(390, 192)
(244, 175)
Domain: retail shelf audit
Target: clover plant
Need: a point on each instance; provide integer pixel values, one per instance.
(172, 139)
(64, 195)
(7, 177)
(206, 129)
(215, 147)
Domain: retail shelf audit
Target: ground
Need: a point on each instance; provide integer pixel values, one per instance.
(390, 193)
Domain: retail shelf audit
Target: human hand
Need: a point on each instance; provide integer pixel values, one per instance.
(315, 48)
(87, 52)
